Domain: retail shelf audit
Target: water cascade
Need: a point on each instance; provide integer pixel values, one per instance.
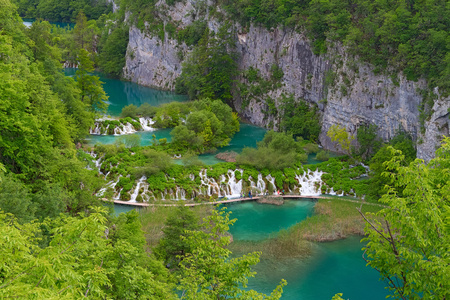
(146, 123)
(235, 188)
(310, 183)
(261, 185)
(126, 129)
(271, 180)
(135, 193)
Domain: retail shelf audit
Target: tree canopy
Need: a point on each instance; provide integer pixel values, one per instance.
(409, 241)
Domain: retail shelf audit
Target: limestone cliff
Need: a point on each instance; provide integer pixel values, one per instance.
(346, 91)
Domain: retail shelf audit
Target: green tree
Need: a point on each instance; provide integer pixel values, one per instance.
(92, 92)
(209, 273)
(299, 119)
(368, 141)
(409, 240)
(209, 71)
(341, 136)
(277, 150)
(129, 111)
(173, 246)
(113, 50)
(16, 199)
(84, 257)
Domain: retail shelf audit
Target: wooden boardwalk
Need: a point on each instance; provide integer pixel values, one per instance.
(138, 204)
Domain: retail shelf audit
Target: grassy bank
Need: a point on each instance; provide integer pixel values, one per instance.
(334, 219)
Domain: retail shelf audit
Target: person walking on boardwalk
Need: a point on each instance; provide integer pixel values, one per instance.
(250, 194)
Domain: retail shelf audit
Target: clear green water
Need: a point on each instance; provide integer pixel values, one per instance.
(258, 221)
(123, 93)
(246, 137)
(29, 22)
(334, 267)
(119, 208)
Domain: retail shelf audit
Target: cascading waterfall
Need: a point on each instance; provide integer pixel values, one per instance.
(271, 180)
(135, 193)
(261, 185)
(310, 183)
(146, 123)
(127, 129)
(235, 188)
(95, 130)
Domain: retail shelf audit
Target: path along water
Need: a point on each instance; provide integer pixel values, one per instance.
(333, 267)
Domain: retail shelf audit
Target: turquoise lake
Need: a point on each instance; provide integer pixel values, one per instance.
(333, 267)
(123, 93)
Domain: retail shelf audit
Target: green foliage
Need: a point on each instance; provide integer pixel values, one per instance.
(83, 256)
(129, 111)
(92, 92)
(192, 33)
(410, 246)
(299, 119)
(277, 72)
(210, 68)
(16, 199)
(275, 151)
(378, 167)
(211, 124)
(41, 115)
(408, 35)
(62, 11)
(340, 135)
(173, 246)
(369, 142)
(323, 155)
(146, 110)
(113, 47)
(208, 272)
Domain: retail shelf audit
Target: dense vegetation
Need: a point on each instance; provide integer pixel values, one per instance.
(409, 35)
(42, 115)
(410, 247)
(62, 11)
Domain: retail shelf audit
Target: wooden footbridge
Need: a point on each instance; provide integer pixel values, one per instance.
(139, 204)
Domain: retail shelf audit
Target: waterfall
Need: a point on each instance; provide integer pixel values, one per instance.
(310, 184)
(180, 194)
(136, 191)
(95, 130)
(211, 185)
(234, 187)
(127, 129)
(271, 180)
(146, 123)
(261, 185)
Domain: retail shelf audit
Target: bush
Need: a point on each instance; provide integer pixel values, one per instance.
(129, 111)
(323, 155)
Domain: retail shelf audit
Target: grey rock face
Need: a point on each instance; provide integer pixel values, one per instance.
(347, 92)
(152, 62)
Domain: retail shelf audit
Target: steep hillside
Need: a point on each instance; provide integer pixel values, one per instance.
(348, 90)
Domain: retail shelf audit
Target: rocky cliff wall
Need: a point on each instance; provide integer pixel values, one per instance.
(346, 91)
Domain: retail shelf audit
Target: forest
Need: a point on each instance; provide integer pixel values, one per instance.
(59, 241)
